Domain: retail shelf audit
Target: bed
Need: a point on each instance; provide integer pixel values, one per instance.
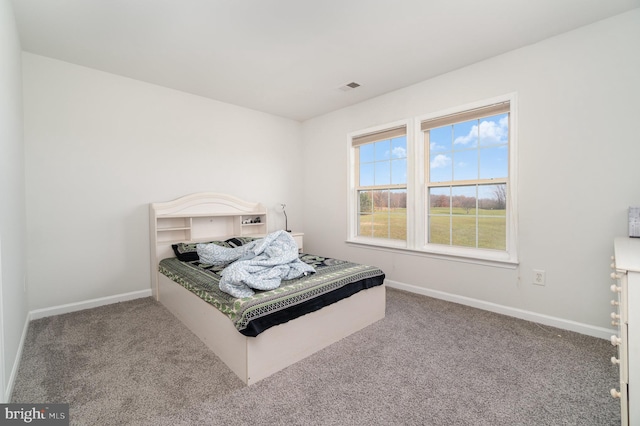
(259, 335)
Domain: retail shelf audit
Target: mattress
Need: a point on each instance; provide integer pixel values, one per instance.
(333, 280)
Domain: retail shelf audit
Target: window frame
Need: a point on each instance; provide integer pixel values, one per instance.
(354, 186)
(417, 190)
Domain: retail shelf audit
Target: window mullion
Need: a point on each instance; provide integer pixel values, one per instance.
(494, 181)
(477, 218)
(381, 187)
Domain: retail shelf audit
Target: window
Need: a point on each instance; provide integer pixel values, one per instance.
(381, 184)
(467, 164)
(446, 188)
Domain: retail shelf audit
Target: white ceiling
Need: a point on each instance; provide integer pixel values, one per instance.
(289, 57)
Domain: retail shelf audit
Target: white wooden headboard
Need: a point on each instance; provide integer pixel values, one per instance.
(199, 217)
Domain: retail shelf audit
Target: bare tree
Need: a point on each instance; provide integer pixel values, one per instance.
(381, 199)
(439, 200)
(500, 193)
(398, 199)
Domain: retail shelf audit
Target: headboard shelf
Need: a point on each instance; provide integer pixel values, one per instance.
(197, 218)
(221, 214)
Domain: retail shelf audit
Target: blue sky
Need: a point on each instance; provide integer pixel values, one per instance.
(468, 150)
(384, 162)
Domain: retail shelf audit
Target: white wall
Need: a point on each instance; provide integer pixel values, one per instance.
(99, 148)
(13, 300)
(579, 170)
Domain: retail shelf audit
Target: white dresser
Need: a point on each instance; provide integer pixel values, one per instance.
(626, 265)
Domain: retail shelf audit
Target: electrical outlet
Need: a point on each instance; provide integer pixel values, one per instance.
(538, 277)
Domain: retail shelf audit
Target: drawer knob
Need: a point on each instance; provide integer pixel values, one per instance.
(615, 323)
(615, 316)
(615, 276)
(615, 303)
(615, 393)
(615, 340)
(614, 288)
(613, 265)
(614, 360)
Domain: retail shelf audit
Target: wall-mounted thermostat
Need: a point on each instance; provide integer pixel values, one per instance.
(634, 222)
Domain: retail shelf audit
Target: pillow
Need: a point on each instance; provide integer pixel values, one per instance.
(239, 241)
(187, 252)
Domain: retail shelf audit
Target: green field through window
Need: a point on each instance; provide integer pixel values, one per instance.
(491, 227)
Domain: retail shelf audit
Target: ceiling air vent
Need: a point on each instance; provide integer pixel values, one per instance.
(349, 86)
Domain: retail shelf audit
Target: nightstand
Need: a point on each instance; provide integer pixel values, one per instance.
(299, 237)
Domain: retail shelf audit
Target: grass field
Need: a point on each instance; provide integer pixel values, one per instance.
(491, 226)
(388, 223)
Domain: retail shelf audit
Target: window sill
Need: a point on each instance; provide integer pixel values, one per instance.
(479, 257)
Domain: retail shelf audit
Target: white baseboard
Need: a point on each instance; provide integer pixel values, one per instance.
(589, 330)
(16, 363)
(87, 304)
(64, 309)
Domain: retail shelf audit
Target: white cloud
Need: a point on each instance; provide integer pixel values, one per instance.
(434, 146)
(494, 133)
(489, 132)
(440, 160)
(472, 136)
(399, 152)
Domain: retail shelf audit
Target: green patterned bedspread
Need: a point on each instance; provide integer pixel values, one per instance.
(334, 279)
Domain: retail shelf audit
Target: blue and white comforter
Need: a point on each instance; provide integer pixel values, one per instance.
(261, 264)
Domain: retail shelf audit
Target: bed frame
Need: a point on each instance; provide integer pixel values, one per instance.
(211, 216)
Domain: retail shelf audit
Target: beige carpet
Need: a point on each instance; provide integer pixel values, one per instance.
(429, 362)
